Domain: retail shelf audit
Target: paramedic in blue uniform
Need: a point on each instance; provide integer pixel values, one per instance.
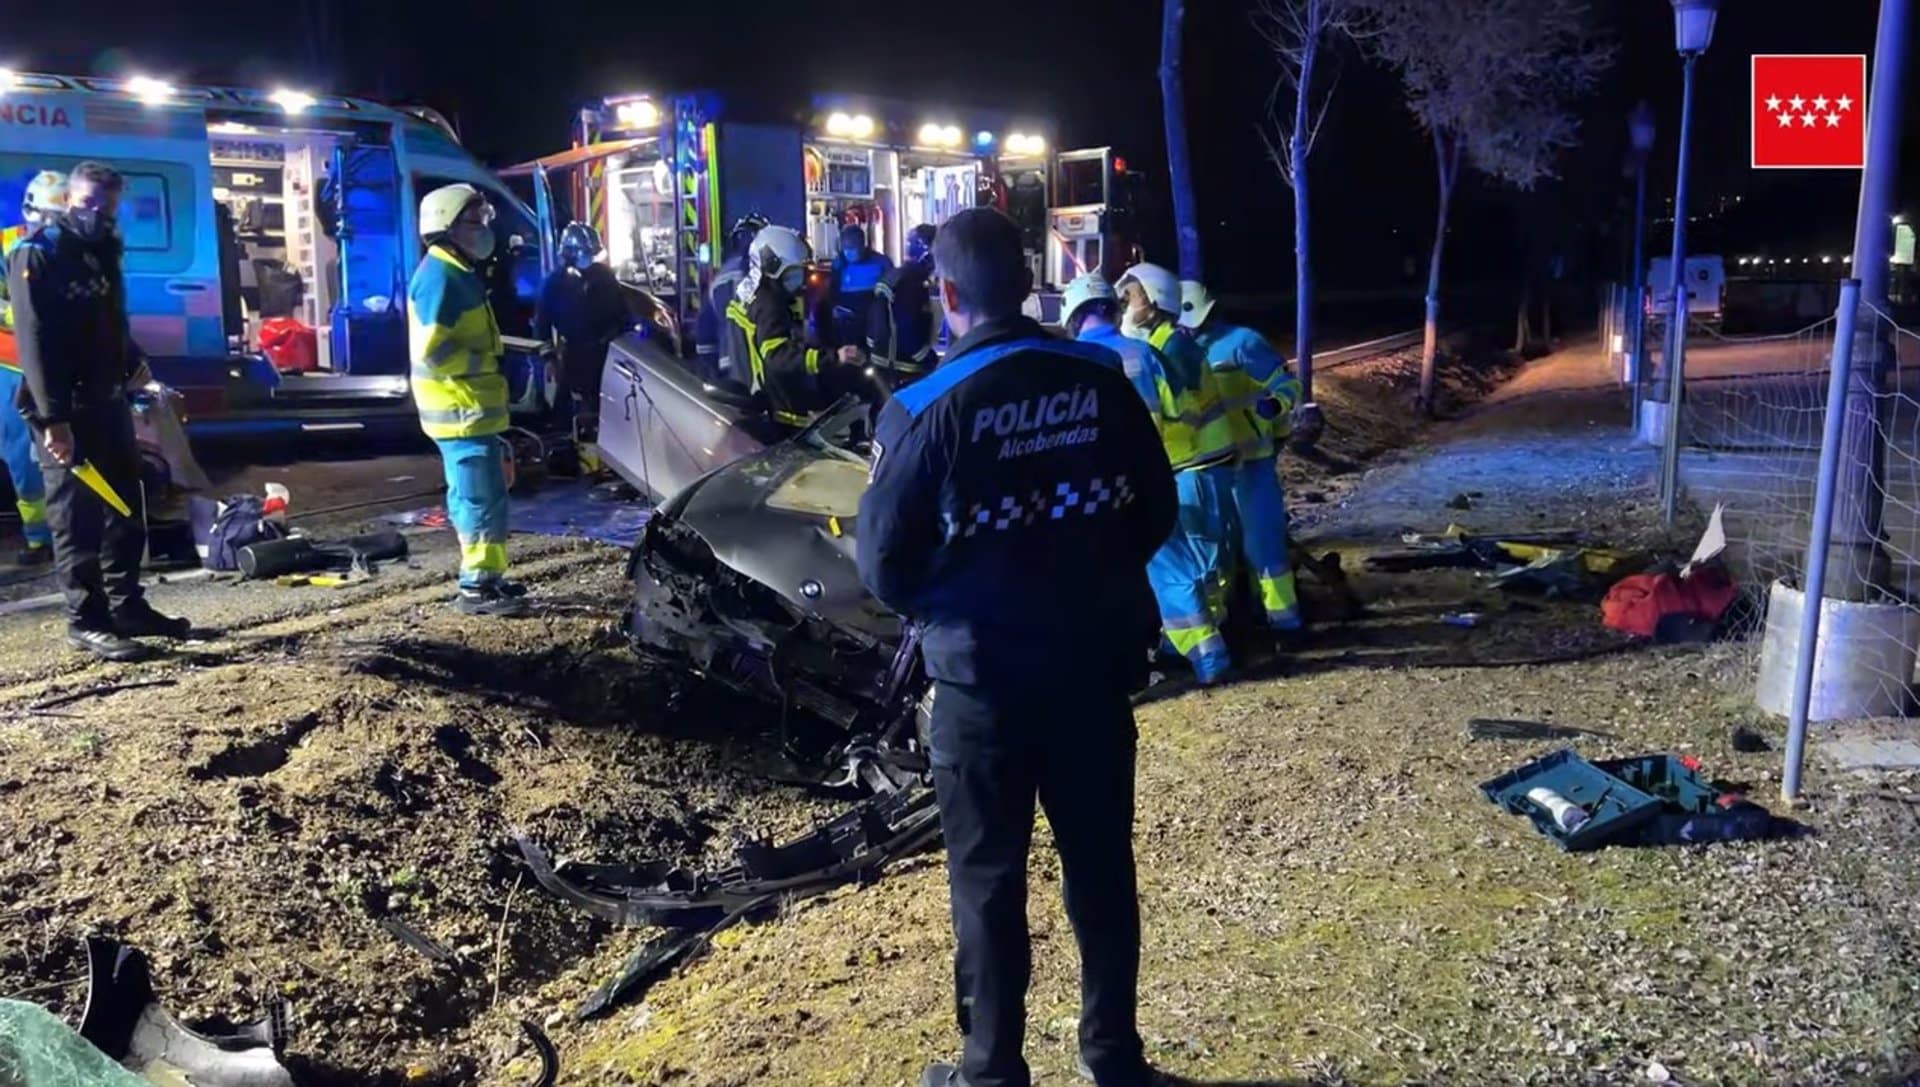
(79, 361)
(857, 272)
(1017, 493)
(902, 321)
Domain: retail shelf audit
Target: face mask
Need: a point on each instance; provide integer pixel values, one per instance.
(793, 279)
(1132, 328)
(89, 224)
(850, 252)
(475, 241)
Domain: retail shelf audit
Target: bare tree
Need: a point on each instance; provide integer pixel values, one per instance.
(1173, 104)
(1493, 82)
(1298, 31)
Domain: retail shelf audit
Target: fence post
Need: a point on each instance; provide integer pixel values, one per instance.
(1814, 582)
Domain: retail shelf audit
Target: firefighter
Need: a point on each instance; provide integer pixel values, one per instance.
(766, 327)
(46, 196)
(1017, 493)
(1260, 394)
(575, 303)
(78, 361)
(1188, 573)
(903, 319)
(461, 392)
(857, 272)
(713, 360)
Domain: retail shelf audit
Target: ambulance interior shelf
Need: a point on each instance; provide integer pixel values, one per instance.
(275, 255)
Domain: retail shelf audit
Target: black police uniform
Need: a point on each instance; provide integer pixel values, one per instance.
(586, 307)
(77, 354)
(1017, 494)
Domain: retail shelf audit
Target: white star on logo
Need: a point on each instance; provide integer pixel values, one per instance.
(1796, 102)
(1773, 103)
(1833, 120)
(1806, 120)
(1820, 103)
(1843, 102)
(1785, 119)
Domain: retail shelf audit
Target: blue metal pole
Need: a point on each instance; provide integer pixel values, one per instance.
(1825, 484)
(1675, 361)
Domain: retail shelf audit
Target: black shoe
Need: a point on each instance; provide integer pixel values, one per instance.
(511, 589)
(139, 620)
(1149, 1078)
(942, 1074)
(106, 645)
(34, 555)
(489, 601)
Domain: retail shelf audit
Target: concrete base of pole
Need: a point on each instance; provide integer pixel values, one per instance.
(1863, 666)
(1653, 423)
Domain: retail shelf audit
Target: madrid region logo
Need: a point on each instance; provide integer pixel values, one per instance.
(1809, 112)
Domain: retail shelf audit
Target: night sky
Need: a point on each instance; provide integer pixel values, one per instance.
(509, 75)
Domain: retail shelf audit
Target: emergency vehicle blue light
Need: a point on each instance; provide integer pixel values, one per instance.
(983, 139)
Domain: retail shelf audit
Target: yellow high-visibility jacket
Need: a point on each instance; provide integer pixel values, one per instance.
(455, 343)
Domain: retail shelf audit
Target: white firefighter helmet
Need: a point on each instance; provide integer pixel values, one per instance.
(1196, 302)
(1162, 286)
(441, 207)
(1092, 287)
(776, 249)
(46, 193)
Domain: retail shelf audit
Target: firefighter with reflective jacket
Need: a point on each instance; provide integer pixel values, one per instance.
(46, 196)
(1188, 574)
(1260, 394)
(903, 319)
(766, 328)
(460, 389)
(78, 362)
(710, 341)
(1017, 493)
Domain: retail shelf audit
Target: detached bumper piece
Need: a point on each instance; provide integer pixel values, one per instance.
(855, 847)
(125, 1021)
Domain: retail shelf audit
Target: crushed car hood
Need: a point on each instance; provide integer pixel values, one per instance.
(784, 517)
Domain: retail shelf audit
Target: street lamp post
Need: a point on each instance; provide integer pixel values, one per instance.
(1640, 132)
(1692, 33)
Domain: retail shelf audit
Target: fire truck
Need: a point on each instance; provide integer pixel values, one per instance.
(663, 177)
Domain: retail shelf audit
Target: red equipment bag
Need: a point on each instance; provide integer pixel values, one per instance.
(1635, 605)
(292, 347)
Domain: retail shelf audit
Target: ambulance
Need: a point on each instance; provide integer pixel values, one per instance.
(269, 239)
(663, 178)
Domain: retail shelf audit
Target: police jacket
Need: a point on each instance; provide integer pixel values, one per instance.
(901, 321)
(581, 309)
(1016, 495)
(70, 323)
(770, 334)
(856, 280)
(455, 343)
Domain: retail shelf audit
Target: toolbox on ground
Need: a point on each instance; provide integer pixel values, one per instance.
(1613, 806)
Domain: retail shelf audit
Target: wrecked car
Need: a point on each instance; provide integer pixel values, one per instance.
(745, 575)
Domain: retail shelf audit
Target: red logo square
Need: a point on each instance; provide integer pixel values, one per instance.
(1809, 112)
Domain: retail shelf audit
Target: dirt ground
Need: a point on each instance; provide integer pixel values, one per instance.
(1327, 897)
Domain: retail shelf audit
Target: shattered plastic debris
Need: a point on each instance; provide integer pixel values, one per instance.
(38, 1050)
(125, 1021)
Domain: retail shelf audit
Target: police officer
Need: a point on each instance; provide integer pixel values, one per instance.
(461, 392)
(766, 327)
(710, 342)
(1017, 493)
(78, 361)
(902, 320)
(857, 272)
(45, 197)
(1260, 395)
(1188, 574)
(576, 303)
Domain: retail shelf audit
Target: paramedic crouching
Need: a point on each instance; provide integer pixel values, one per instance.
(79, 362)
(1017, 493)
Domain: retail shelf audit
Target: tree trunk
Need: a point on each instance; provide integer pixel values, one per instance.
(1302, 234)
(1447, 152)
(1179, 164)
(1522, 329)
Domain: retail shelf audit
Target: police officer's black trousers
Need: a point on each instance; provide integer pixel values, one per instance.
(994, 752)
(96, 551)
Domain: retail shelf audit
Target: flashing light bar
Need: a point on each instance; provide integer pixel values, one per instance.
(149, 90)
(641, 113)
(935, 135)
(7, 79)
(857, 126)
(1022, 144)
(292, 101)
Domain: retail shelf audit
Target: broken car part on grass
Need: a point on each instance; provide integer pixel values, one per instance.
(124, 1020)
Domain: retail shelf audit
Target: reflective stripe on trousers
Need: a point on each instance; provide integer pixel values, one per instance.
(1260, 516)
(477, 505)
(1186, 568)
